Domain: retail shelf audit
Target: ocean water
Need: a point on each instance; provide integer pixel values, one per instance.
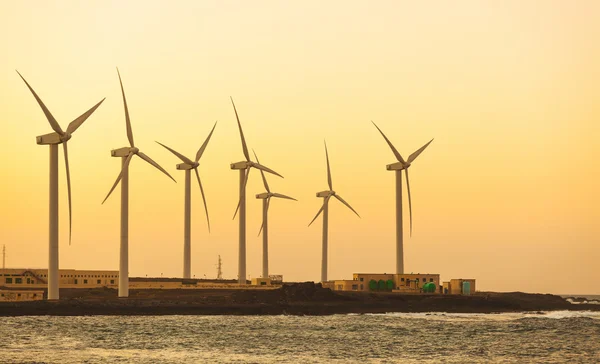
(552, 337)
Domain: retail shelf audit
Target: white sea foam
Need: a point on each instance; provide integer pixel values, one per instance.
(445, 316)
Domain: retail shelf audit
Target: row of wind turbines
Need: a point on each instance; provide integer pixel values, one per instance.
(127, 153)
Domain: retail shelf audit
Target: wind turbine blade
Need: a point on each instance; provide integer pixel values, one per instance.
(51, 119)
(125, 166)
(414, 156)
(320, 210)
(77, 122)
(244, 187)
(66, 152)
(244, 147)
(149, 160)
(183, 158)
(346, 203)
(201, 150)
(328, 169)
(261, 227)
(236, 210)
(203, 197)
(266, 169)
(396, 153)
(409, 200)
(127, 121)
(262, 173)
(283, 196)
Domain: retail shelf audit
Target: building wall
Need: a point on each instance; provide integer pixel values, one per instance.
(23, 277)
(20, 295)
(415, 282)
(363, 279)
(456, 285)
(349, 285)
(402, 282)
(261, 281)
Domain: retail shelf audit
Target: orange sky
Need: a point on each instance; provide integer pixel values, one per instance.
(509, 90)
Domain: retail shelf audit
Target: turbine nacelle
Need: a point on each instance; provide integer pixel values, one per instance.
(264, 195)
(46, 139)
(186, 166)
(325, 193)
(123, 152)
(242, 165)
(398, 166)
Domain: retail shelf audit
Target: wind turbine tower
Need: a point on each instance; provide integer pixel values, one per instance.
(187, 166)
(53, 140)
(266, 198)
(244, 168)
(126, 154)
(326, 195)
(398, 167)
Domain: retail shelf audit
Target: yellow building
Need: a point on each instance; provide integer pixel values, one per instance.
(261, 281)
(459, 286)
(69, 278)
(401, 283)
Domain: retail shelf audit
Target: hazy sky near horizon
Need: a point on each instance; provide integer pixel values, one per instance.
(507, 192)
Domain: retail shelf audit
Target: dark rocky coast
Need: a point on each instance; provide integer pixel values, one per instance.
(291, 299)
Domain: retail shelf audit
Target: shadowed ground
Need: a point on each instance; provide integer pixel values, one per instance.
(292, 299)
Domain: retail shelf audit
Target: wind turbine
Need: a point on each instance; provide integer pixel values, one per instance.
(53, 140)
(187, 166)
(398, 167)
(325, 210)
(126, 154)
(266, 197)
(244, 168)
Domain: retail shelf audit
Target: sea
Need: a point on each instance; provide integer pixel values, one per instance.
(540, 337)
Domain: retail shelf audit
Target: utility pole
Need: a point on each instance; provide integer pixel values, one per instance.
(219, 271)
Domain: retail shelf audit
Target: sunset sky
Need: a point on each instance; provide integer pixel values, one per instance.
(507, 193)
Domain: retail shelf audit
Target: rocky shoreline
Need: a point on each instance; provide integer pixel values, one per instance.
(291, 299)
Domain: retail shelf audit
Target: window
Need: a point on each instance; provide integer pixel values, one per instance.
(85, 281)
(112, 281)
(430, 279)
(355, 287)
(401, 279)
(362, 279)
(98, 281)
(19, 280)
(75, 280)
(362, 287)
(417, 280)
(8, 280)
(28, 280)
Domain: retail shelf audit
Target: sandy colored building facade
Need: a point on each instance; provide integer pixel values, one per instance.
(13, 295)
(458, 286)
(402, 283)
(69, 278)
